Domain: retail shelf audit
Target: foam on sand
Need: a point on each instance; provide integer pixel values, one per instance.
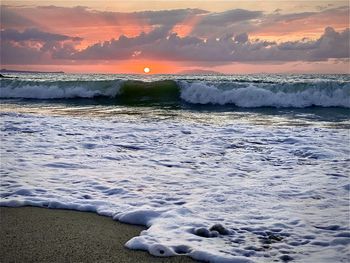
(32, 234)
(222, 191)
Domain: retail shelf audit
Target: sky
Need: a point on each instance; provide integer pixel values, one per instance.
(232, 37)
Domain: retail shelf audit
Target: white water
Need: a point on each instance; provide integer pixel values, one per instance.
(282, 192)
(58, 89)
(251, 95)
(245, 91)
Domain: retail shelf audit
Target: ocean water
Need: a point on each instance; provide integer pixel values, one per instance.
(244, 168)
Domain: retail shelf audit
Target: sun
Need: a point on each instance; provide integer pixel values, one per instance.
(146, 70)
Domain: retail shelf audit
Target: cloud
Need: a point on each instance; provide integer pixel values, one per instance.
(95, 25)
(229, 17)
(228, 22)
(33, 46)
(123, 48)
(10, 18)
(159, 45)
(241, 38)
(14, 54)
(306, 24)
(81, 16)
(34, 34)
(332, 44)
(51, 34)
(167, 17)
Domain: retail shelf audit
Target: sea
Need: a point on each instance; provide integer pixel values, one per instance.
(220, 168)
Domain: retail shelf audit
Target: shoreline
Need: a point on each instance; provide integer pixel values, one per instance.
(33, 234)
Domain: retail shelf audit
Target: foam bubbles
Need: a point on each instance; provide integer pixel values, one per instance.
(246, 93)
(58, 89)
(227, 191)
(276, 95)
(159, 250)
(139, 217)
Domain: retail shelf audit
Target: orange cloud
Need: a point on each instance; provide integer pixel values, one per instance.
(103, 50)
(185, 27)
(92, 26)
(304, 25)
(297, 67)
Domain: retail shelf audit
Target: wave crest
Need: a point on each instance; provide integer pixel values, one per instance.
(252, 96)
(59, 89)
(240, 94)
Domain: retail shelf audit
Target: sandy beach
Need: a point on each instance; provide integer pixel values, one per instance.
(31, 234)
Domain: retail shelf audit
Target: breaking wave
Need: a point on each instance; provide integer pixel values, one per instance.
(238, 93)
(29, 89)
(269, 95)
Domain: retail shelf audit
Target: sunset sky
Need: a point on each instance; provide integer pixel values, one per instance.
(172, 36)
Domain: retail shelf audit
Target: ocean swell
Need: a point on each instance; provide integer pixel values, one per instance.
(29, 89)
(281, 95)
(238, 93)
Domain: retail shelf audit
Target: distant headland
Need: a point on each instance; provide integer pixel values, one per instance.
(27, 71)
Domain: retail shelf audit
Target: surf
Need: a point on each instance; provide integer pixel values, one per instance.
(239, 93)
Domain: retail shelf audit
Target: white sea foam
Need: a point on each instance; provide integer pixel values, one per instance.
(254, 96)
(58, 89)
(280, 192)
(247, 94)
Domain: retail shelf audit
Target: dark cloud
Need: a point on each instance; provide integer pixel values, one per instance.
(332, 44)
(209, 24)
(228, 22)
(34, 34)
(217, 38)
(11, 19)
(14, 54)
(161, 44)
(156, 45)
(241, 38)
(123, 48)
(229, 17)
(277, 23)
(81, 16)
(168, 17)
(33, 46)
(287, 18)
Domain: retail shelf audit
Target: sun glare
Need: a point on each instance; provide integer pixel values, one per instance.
(146, 70)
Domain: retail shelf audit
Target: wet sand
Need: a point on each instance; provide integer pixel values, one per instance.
(31, 234)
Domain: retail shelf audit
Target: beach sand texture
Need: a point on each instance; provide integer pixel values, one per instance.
(31, 234)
